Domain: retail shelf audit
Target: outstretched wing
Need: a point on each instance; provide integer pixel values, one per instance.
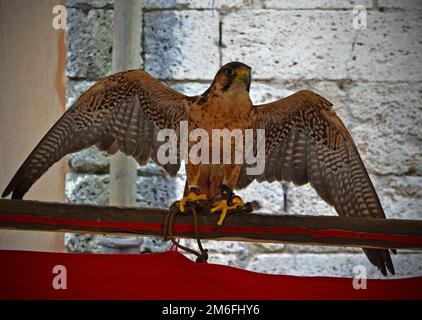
(121, 112)
(307, 142)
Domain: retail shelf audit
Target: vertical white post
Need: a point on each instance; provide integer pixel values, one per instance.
(126, 49)
(126, 55)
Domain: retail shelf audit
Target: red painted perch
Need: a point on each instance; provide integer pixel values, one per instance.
(313, 230)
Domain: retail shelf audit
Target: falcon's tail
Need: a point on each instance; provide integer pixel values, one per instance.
(381, 259)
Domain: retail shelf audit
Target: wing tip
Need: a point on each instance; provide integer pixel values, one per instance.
(17, 186)
(381, 259)
(7, 190)
(16, 193)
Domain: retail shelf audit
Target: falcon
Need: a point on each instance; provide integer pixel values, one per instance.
(305, 141)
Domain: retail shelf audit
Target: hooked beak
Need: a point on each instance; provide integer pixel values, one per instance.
(244, 76)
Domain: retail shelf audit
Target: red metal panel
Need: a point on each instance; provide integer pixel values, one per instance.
(170, 275)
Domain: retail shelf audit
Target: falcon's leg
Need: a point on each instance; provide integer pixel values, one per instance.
(192, 190)
(229, 201)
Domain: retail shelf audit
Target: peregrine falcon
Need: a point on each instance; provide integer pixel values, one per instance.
(305, 141)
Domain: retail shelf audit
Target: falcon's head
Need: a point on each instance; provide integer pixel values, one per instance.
(233, 76)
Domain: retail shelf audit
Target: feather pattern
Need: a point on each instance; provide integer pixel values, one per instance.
(307, 142)
(121, 112)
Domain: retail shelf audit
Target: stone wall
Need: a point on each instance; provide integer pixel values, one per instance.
(373, 76)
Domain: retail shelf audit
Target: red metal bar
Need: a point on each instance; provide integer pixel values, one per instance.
(321, 230)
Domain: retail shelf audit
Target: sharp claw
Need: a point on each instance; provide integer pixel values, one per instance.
(223, 206)
(222, 216)
(182, 205)
(220, 205)
(191, 197)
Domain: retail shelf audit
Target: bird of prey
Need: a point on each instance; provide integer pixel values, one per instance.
(305, 141)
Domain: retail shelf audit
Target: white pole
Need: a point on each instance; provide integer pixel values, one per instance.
(126, 49)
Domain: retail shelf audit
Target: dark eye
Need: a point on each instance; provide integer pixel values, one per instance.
(229, 72)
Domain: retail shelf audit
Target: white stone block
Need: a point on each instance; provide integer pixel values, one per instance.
(322, 44)
(178, 47)
(402, 4)
(387, 126)
(194, 4)
(315, 4)
(89, 38)
(333, 265)
(289, 44)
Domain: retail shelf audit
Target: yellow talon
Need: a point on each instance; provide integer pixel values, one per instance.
(223, 206)
(191, 197)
